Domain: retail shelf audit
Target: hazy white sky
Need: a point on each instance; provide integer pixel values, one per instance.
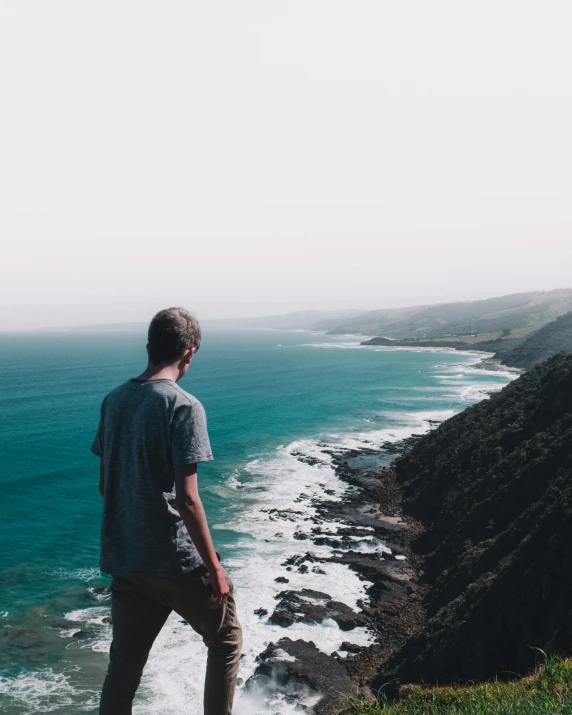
(245, 158)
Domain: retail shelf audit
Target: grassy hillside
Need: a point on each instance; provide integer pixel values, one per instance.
(493, 487)
(548, 690)
(521, 312)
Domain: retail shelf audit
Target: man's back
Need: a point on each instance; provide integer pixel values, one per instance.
(155, 539)
(146, 428)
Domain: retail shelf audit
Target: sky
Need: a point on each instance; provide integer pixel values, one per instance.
(257, 157)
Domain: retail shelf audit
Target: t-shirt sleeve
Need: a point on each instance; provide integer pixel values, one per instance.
(190, 439)
(97, 444)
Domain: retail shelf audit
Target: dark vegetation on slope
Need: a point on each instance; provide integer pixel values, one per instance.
(493, 487)
(542, 344)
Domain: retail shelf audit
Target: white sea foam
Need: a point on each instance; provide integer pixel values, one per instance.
(47, 691)
(86, 574)
(100, 596)
(460, 378)
(69, 634)
(341, 346)
(88, 616)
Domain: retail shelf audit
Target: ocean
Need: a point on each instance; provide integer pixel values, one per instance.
(270, 396)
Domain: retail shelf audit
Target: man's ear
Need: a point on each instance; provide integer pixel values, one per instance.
(188, 355)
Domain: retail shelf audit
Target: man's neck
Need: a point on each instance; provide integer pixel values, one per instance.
(154, 372)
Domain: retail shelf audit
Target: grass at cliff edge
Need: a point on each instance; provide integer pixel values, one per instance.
(548, 690)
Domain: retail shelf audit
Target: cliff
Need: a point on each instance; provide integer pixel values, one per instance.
(493, 489)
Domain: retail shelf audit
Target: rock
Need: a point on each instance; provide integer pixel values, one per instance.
(309, 606)
(23, 640)
(282, 579)
(283, 514)
(261, 612)
(325, 541)
(312, 461)
(350, 647)
(293, 668)
(293, 561)
(390, 578)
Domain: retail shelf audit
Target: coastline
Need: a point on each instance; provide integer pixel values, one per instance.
(488, 360)
(393, 608)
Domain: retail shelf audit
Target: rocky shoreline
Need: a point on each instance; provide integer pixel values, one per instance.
(370, 511)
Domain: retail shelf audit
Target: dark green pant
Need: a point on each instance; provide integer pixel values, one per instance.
(139, 608)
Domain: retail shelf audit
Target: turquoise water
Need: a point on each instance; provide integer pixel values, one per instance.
(263, 392)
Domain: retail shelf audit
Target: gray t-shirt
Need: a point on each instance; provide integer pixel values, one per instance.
(147, 428)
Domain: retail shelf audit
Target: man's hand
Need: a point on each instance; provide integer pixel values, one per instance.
(220, 586)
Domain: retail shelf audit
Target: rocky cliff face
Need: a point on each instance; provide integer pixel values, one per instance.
(493, 487)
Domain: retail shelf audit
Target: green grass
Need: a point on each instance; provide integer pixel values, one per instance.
(548, 690)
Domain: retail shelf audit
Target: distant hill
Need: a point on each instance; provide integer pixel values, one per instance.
(521, 312)
(299, 320)
(510, 316)
(553, 338)
(493, 489)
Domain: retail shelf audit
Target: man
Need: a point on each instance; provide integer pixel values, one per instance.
(155, 541)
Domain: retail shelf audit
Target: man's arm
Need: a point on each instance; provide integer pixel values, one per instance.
(101, 476)
(190, 508)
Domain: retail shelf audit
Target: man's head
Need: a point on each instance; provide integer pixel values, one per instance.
(174, 337)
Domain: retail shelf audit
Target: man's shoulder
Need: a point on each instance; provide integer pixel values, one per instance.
(184, 397)
(119, 391)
